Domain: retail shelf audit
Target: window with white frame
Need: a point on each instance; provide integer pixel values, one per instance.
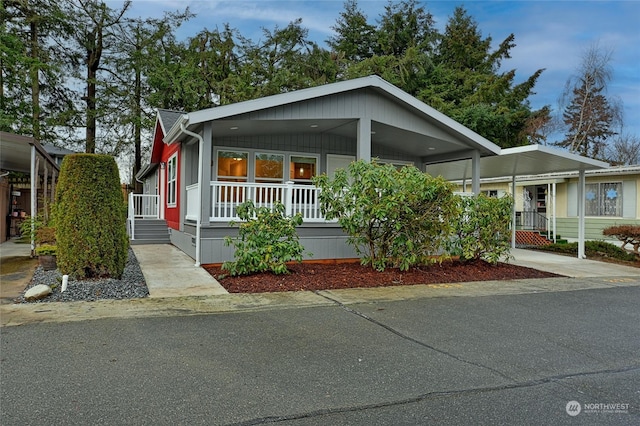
(232, 166)
(603, 199)
(269, 168)
(172, 180)
(302, 169)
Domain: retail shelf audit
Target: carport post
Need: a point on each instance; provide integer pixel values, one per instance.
(581, 209)
(513, 211)
(34, 195)
(475, 172)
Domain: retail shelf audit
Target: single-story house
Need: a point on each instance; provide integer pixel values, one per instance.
(548, 202)
(204, 163)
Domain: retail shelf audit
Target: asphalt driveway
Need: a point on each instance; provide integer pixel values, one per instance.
(484, 359)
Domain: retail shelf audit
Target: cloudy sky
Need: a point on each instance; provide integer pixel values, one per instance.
(548, 34)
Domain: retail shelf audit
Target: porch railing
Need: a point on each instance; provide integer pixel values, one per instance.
(141, 206)
(227, 196)
(531, 220)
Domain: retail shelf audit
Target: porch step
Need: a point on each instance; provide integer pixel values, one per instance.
(151, 231)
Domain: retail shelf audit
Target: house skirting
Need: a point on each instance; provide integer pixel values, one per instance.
(321, 242)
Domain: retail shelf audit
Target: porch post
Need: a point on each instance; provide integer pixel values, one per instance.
(34, 190)
(513, 211)
(205, 177)
(553, 195)
(364, 139)
(581, 211)
(475, 172)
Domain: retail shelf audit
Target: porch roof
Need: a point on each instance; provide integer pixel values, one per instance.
(447, 139)
(518, 161)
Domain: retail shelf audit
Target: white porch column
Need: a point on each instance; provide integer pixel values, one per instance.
(513, 212)
(205, 176)
(581, 213)
(364, 139)
(553, 212)
(475, 172)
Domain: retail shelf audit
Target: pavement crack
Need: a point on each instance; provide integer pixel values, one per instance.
(432, 395)
(413, 340)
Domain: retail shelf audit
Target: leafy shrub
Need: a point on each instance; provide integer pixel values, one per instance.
(90, 217)
(482, 229)
(267, 240)
(46, 250)
(394, 218)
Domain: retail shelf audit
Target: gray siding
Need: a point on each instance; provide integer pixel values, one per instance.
(323, 242)
(354, 104)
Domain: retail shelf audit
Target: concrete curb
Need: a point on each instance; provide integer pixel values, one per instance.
(22, 314)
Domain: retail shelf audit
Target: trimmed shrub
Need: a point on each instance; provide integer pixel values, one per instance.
(90, 217)
(267, 240)
(593, 248)
(394, 218)
(628, 234)
(482, 229)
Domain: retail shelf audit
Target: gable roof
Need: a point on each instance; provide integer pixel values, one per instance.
(380, 87)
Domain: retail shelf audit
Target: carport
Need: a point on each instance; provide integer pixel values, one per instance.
(524, 161)
(24, 155)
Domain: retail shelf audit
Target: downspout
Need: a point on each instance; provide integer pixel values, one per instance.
(199, 214)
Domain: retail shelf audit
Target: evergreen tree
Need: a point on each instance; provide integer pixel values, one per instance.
(405, 25)
(355, 37)
(589, 118)
(467, 84)
(589, 115)
(33, 98)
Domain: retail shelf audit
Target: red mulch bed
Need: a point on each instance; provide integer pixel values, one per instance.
(325, 276)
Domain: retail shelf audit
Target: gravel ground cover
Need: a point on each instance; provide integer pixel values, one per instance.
(131, 285)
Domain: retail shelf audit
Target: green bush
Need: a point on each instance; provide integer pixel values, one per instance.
(594, 248)
(482, 229)
(394, 218)
(90, 217)
(46, 250)
(267, 240)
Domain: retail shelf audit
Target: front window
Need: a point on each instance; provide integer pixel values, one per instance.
(172, 179)
(302, 169)
(269, 168)
(232, 166)
(603, 199)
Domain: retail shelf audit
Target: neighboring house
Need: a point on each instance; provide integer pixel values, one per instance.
(269, 149)
(21, 158)
(545, 202)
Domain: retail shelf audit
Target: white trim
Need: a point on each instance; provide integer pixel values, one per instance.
(173, 158)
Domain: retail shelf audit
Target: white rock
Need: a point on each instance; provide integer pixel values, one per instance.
(37, 292)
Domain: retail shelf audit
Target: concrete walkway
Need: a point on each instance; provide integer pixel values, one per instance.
(570, 266)
(16, 269)
(169, 272)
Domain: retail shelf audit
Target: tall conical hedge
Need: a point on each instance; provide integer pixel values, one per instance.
(90, 215)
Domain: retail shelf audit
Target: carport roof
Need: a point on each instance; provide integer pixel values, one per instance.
(522, 160)
(16, 153)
